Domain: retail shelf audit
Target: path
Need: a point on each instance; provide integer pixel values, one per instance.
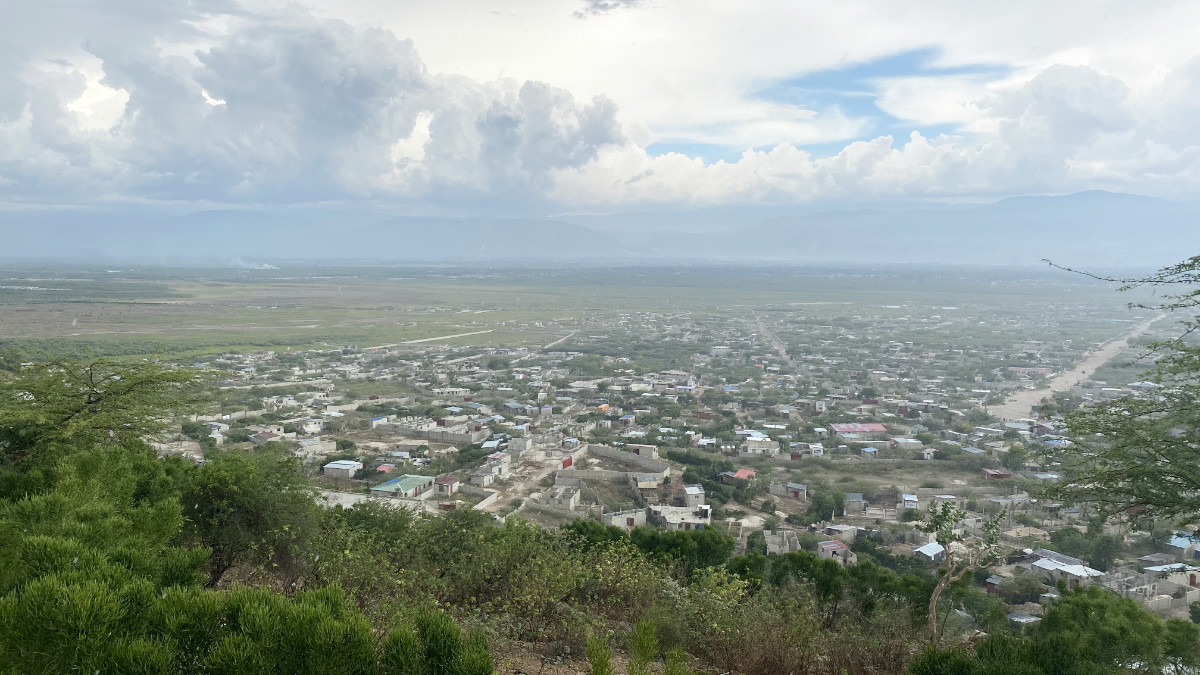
(432, 339)
(539, 350)
(1019, 404)
(780, 348)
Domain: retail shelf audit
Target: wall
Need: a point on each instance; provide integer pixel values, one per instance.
(644, 465)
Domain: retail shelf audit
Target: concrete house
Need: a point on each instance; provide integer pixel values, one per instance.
(836, 550)
(693, 495)
(403, 487)
(788, 489)
(855, 503)
(446, 485)
(563, 498)
(343, 468)
(681, 517)
(780, 542)
(626, 520)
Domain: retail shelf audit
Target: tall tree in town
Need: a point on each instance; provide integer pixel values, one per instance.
(963, 553)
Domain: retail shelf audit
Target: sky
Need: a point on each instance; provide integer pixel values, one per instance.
(592, 106)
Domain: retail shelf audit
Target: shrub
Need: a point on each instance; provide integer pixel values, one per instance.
(599, 656)
(644, 648)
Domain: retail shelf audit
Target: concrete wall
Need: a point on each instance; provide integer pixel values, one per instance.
(595, 474)
(487, 501)
(643, 465)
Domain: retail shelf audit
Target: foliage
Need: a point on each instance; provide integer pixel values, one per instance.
(48, 409)
(1090, 630)
(1100, 550)
(599, 656)
(255, 504)
(962, 555)
(1140, 450)
(643, 648)
(1024, 588)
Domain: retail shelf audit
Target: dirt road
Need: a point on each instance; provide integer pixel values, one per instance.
(432, 339)
(1018, 404)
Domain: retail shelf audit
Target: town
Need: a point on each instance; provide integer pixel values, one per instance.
(788, 427)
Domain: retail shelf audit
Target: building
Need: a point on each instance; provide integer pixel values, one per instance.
(563, 498)
(447, 485)
(1055, 566)
(681, 517)
(626, 520)
(741, 474)
(312, 447)
(643, 481)
(869, 431)
(836, 550)
(693, 496)
(780, 542)
(793, 490)
(931, 552)
(996, 474)
(1183, 546)
(908, 502)
(343, 468)
(403, 487)
(855, 503)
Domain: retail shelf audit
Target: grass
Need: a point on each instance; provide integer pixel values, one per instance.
(189, 313)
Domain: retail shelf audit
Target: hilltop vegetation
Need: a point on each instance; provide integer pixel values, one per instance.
(114, 560)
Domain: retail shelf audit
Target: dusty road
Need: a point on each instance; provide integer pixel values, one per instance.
(1018, 404)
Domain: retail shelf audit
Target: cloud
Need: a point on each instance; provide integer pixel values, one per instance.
(598, 7)
(214, 103)
(1068, 128)
(292, 109)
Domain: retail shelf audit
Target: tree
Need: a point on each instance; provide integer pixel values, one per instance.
(249, 506)
(1015, 459)
(46, 410)
(962, 555)
(1140, 451)
(1090, 630)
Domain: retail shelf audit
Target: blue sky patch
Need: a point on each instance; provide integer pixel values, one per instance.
(853, 89)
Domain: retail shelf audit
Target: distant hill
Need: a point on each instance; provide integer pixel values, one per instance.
(235, 236)
(1099, 229)
(422, 238)
(1095, 228)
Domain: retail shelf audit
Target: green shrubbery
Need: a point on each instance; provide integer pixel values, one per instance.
(114, 560)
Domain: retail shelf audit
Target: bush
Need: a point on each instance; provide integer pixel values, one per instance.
(643, 647)
(599, 656)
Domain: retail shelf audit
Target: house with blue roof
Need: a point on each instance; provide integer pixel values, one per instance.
(1183, 546)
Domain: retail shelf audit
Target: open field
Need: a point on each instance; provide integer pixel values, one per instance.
(194, 312)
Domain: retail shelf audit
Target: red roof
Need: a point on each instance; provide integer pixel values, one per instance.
(744, 474)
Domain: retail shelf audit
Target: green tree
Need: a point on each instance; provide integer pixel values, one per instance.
(254, 507)
(962, 555)
(1090, 630)
(1138, 451)
(1015, 459)
(51, 409)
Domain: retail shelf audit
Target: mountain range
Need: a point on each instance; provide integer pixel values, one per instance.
(1099, 229)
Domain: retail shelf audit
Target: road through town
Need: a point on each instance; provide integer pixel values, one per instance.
(1018, 404)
